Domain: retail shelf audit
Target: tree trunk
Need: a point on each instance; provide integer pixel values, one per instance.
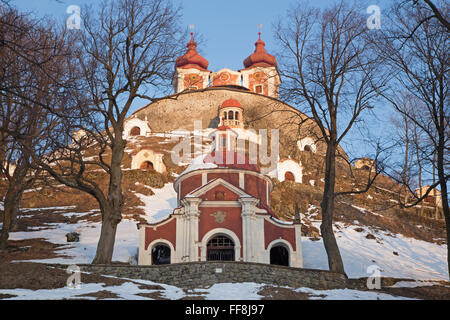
(5, 229)
(326, 228)
(11, 206)
(105, 246)
(111, 210)
(444, 194)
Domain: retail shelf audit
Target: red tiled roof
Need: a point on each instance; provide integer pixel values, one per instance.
(191, 59)
(260, 58)
(230, 103)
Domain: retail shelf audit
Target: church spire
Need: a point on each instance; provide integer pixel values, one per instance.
(260, 57)
(191, 59)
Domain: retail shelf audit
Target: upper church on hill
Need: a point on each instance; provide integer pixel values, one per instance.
(260, 74)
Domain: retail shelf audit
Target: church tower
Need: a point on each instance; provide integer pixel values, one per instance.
(231, 114)
(261, 74)
(191, 70)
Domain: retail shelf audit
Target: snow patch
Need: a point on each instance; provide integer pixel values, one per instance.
(159, 206)
(416, 259)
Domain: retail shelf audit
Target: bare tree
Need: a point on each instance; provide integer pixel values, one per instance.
(421, 65)
(30, 64)
(126, 49)
(436, 10)
(330, 72)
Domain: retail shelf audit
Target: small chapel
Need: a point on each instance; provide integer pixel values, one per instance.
(223, 199)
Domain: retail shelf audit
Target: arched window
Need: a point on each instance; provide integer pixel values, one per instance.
(225, 115)
(230, 115)
(307, 148)
(147, 165)
(135, 131)
(289, 176)
(279, 255)
(161, 254)
(220, 248)
(236, 115)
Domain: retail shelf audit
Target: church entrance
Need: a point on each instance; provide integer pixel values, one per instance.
(220, 248)
(160, 254)
(289, 176)
(147, 165)
(135, 131)
(279, 255)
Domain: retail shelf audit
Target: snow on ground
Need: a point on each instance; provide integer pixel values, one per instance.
(232, 291)
(128, 290)
(414, 284)
(348, 294)
(125, 248)
(48, 208)
(221, 291)
(416, 259)
(157, 208)
(160, 205)
(363, 210)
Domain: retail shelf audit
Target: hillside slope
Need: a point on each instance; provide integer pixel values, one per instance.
(370, 228)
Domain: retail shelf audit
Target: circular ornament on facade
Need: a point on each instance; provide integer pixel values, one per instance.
(219, 216)
(224, 76)
(258, 75)
(194, 77)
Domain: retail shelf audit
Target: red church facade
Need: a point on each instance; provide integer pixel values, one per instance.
(223, 213)
(223, 201)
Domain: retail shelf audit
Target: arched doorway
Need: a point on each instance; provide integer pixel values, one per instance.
(279, 255)
(220, 248)
(160, 254)
(135, 131)
(307, 148)
(289, 176)
(147, 165)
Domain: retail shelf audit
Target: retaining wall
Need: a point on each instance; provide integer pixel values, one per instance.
(202, 274)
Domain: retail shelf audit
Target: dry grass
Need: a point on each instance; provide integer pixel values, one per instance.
(34, 276)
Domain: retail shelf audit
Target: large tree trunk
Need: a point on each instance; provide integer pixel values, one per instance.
(326, 228)
(112, 207)
(11, 207)
(105, 246)
(12, 201)
(443, 185)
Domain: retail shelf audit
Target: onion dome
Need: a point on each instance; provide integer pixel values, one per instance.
(231, 160)
(230, 103)
(260, 58)
(191, 59)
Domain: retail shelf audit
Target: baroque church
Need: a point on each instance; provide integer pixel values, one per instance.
(223, 207)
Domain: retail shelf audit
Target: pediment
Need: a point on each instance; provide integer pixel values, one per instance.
(214, 183)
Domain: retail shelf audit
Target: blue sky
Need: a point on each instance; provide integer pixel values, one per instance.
(229, 29)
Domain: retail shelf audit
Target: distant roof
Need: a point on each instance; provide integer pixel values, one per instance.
(229, 103)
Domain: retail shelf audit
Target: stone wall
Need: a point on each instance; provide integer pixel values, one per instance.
(202, 274)
(179, 111)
